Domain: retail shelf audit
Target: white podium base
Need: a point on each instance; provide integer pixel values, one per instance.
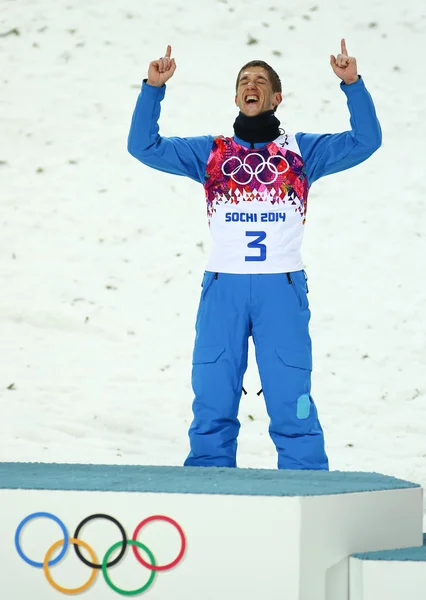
(391, 575)
(238, 533)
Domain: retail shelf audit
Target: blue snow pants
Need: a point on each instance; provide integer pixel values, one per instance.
(274, 310)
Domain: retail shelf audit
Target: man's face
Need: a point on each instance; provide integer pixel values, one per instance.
(254, 93)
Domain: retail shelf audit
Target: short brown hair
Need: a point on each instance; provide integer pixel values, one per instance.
(273, 75)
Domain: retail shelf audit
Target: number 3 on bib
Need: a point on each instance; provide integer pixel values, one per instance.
(260, 236)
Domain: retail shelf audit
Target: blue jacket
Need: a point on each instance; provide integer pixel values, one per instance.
(322, 154)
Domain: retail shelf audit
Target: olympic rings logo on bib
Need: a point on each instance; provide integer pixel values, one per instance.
(93, 564)
(261, 168)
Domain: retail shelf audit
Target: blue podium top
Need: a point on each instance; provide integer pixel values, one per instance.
(416, 553)
(191, 480)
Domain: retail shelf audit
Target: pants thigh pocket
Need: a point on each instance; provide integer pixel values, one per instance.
(205, 374)
(207, 354)
(300, 359)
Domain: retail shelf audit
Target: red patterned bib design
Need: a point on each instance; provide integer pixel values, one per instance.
(271, 174)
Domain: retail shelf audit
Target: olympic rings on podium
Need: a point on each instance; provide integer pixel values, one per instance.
(94, 565)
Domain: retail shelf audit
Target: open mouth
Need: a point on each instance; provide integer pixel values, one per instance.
(251, 99)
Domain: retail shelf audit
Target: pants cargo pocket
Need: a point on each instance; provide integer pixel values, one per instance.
(206, 354)
(300, 359)
(204, 374)
(208, 378)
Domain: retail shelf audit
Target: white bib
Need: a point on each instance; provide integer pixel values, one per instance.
(256, 205)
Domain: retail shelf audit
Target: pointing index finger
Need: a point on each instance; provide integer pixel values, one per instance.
(168, 52)
(344, 50)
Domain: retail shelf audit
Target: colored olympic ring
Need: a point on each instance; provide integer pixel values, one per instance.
(35, 515)
(254, 172)
(53, 583)
(151, 577)
(94, 564)
(182, 540)
(123, 535)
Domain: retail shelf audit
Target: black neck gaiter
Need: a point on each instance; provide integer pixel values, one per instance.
(261, 128)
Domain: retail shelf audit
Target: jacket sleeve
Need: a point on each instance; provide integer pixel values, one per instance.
(179, 156)
(324, 154)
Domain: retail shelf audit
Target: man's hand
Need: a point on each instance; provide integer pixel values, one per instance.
(344, 66)
(162, 69)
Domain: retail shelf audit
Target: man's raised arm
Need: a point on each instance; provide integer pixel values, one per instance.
(324, 154)
(179, 156)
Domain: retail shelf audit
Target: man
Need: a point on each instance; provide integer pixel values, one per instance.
(256, 186)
